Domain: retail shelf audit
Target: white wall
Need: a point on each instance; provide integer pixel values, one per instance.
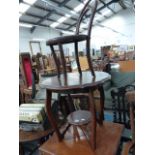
(44, 33)
(123, 22)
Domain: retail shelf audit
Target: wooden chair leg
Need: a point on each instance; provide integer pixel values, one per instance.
(21, 149)
(24, 98)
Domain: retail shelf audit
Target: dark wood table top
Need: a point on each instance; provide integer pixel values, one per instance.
(108, 140)
(75, 81)
(28, 136)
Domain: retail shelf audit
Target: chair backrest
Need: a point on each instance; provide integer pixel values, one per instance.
(86, 8)
(121, 106)
(26, 68)
(60, 61)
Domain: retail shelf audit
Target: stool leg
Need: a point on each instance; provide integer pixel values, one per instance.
(75, 133)
(93, 111)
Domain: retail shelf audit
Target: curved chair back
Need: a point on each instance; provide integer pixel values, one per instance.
(60, 61)
(83, 13)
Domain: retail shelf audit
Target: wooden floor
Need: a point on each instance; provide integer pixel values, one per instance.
(108, 139)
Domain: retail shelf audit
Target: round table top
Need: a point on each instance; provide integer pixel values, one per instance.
(74, 81)
(28, 136)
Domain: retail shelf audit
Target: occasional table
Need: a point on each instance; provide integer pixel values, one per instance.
(29, 136)
(74, 83)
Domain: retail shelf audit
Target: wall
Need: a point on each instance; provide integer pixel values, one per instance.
(123, 22)
(25, 36)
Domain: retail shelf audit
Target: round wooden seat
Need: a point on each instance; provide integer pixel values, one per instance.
(79, 117)
(74, 81)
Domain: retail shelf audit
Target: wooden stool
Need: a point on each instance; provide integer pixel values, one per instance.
(79, 118)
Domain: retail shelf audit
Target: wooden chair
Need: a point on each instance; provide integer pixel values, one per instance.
(76, 82)
(120, 105)
(130, 145)
(28, 89)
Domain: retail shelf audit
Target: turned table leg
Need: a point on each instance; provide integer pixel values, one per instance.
(93, 111)
(50, 115)
(101, 115)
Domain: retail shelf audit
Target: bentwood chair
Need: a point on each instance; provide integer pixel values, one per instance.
(76, 82)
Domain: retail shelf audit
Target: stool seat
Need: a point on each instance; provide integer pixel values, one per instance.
(79, 117)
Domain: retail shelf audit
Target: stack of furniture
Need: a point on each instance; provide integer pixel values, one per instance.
(99, 137)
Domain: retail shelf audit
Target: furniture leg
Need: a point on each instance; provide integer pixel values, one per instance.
(75, 133)
(101, 115)
(70, 103)
(21, 149)
(93, 111)
(50, 116)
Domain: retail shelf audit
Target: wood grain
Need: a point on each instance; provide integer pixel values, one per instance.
(108, 139)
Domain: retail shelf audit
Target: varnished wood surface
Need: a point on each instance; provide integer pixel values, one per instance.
(126, 148)
(75, 81)
(67, 39)
(130, 96)
(127, 66)
(25, 136)
(107, 142)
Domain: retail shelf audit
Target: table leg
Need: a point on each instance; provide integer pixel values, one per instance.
(50, 116)
(101, 115)
(93, 111)
(70, 103)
